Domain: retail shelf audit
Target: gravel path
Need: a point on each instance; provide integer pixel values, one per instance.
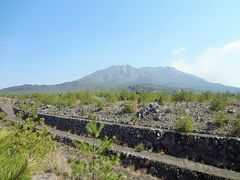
(6, 106)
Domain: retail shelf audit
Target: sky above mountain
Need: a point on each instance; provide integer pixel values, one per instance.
(49, 42)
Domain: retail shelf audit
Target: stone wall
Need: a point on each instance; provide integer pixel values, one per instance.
(221, 152)
(155, 168)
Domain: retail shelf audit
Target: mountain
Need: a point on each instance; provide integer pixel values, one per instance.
(127, 77)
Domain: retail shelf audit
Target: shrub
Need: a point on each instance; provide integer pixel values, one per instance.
(84, 112)
(141, 100)
(160, 100)
(100, 105)
(164, 97)
(133, 118)
(127, 96)
(109, 96)
(220, 118)
(218, 103)
(184, 96)
(92, 116)
(2, 115)
(237, 125)
(179, 97)
(185, 123)
(23, 106)
(129, 108)
(85, 97)
(23, 149)
(100, 166)
(205, 96)
(140, 147)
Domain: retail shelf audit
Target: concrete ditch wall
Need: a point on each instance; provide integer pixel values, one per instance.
(221, 152)
(154, 168)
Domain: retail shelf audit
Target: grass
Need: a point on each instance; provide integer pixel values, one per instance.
(140, 147)
(23, 149)
(57, 163)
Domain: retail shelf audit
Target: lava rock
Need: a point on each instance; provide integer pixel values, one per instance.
(231, 111)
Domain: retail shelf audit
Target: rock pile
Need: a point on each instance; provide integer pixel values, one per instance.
(153, 115)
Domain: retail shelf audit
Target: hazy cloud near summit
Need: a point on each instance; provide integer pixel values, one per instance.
(216, 64)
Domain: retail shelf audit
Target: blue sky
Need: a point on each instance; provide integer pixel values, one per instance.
(48, 42)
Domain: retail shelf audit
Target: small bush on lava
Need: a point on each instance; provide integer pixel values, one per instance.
(140, 147)
(2, 115)
(220, 118)
(237, 125)
(185, 123)
(129, 108)
(218, 103)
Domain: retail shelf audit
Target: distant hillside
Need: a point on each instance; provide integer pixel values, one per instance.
(127, 77)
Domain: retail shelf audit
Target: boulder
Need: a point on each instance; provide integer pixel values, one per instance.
(150, 108)
(231, 111)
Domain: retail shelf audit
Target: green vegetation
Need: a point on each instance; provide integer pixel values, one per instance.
(163, 98)
(184, 96)
(237, 125)
(23, 149)
(205, 97)
(92, 116)
(134, 118)
(63, 99)
(185, 123)
(220, 118)
(140, 147)
(102, 99)
(100, 105)
(2, 115)
(218, 103)
(129, 107)
(100, 165)
(84, 112)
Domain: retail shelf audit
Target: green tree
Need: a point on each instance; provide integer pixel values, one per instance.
(185, 123)
(220, 118)
(129, 107)
(100, 166)
(218, 103)
(23, 148)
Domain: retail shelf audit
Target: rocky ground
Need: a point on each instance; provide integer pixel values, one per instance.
(154, 115)
(150, 114)
(58, 168)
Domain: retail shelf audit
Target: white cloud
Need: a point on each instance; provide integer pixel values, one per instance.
(179, 50)
(216, 64)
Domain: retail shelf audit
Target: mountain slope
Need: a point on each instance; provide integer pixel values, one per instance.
(127, 77)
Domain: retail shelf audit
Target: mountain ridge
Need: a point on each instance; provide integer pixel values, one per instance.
(125, 77)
